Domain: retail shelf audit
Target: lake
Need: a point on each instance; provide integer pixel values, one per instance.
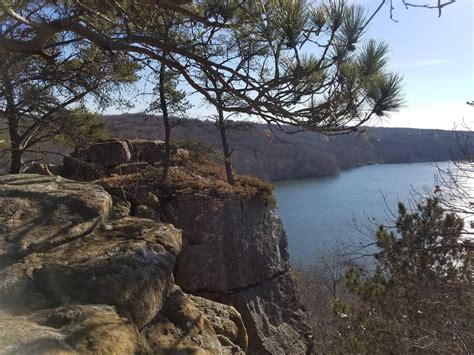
(338, 210)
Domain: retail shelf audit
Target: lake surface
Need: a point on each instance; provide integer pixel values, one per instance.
(332, 211)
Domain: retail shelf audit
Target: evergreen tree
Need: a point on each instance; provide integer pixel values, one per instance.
(419, 298)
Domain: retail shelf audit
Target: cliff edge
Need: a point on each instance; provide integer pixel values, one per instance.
(128, 265)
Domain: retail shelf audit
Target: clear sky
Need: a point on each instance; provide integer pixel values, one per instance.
(434, 56)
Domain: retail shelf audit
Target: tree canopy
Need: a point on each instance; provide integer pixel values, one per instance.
(288, 62)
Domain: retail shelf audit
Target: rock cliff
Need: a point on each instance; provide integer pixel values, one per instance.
(235, 252)
(75, 280)
(114, 259)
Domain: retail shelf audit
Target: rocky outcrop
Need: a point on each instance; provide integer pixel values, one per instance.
(235, 252)
(272, 313)
(234, 247)
(76, 278)
(112, 157)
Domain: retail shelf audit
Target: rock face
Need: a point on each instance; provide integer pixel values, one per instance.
(235, 252)
(226, 321)
(181, 327)
(146, 151)
(233, 243)
(73, 281)
(108, 153)
(39, 212)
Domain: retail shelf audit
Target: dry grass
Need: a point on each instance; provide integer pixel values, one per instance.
(198, 173)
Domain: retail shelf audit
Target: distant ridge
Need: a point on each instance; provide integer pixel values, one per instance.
(307, 154)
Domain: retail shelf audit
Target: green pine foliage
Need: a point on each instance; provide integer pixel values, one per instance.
(419, 298)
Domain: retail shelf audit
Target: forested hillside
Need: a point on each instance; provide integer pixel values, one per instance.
(305, 154)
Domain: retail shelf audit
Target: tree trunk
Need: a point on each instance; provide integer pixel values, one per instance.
(164, 110)
(16, 160)
(13, 128)
(225, 147)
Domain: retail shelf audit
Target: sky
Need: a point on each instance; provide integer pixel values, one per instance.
(434, 55)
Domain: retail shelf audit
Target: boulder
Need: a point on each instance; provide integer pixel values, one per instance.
(73, 329)
(20, 336)
(127, 264)
(233, 243)
(181, 328)
(146, 150)
(107, 153)
(148, 198)
(226, 321)
(40, 212)
(77, 169)
(183, 153)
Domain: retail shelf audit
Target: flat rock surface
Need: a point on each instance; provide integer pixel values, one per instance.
(38, 212)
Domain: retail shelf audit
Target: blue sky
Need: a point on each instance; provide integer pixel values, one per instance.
(433, 55)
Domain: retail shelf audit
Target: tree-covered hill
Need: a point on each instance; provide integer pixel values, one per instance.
(305, 154)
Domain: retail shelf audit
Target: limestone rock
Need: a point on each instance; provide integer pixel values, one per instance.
(226, 321)
(233, 243)
(38, 212)
(128, 264)
(180, 328)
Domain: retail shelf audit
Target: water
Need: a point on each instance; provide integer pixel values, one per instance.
(341, 210)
